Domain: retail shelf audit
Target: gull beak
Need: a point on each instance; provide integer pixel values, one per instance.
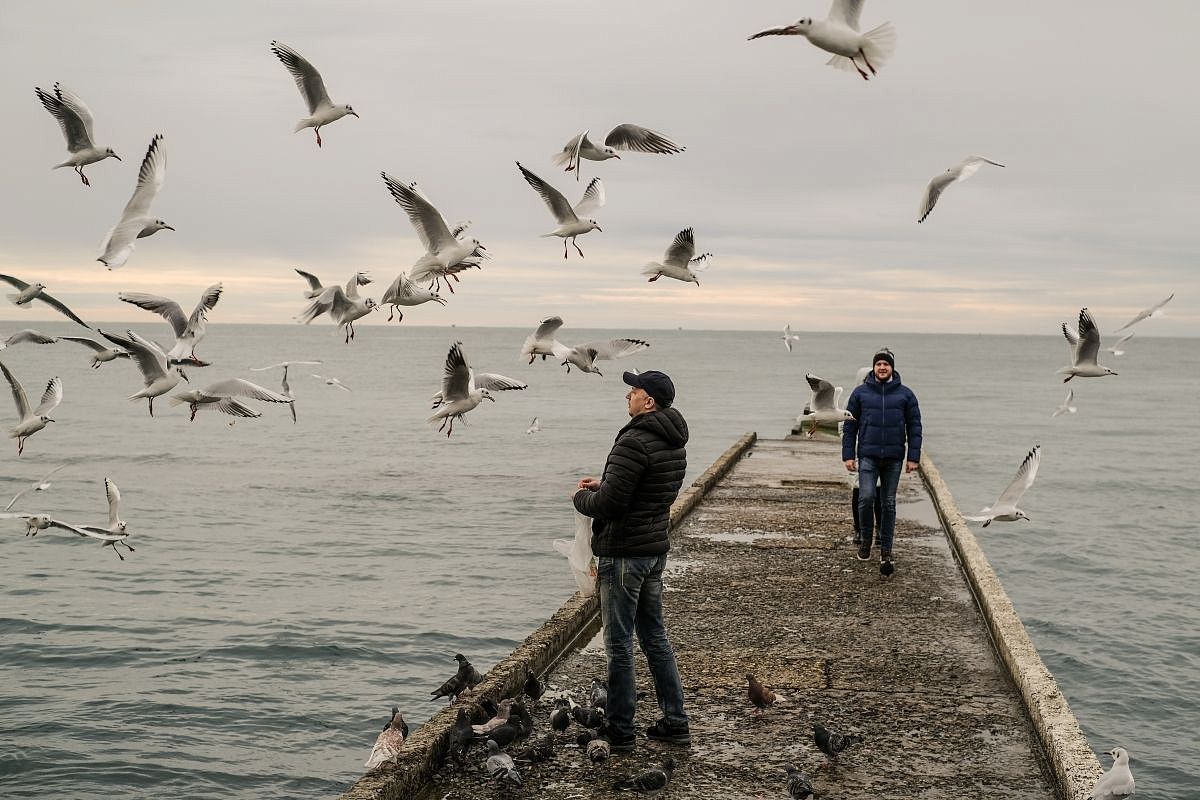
(117, 157)
(168, 227)
(616, 156)
(355, 113)
(600, 229)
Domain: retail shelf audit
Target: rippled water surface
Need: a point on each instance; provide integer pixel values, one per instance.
(292, 581)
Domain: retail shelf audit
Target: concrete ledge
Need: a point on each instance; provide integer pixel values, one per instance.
(1073, 764)
(575, 622)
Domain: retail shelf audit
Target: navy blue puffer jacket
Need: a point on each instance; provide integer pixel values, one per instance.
(885, 416)
(632, 508)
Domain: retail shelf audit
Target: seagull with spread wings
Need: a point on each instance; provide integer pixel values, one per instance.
(405, 292)
(1085, 346)
(285, 388)
(627, 137)
(344, 307)
(27, 335)
(321, 110)
(115, 532)
(158, 376)
(679, 261)
(823, 406)
(28, 292)
(570, 221)
(445, 253)
(136, 221)
(40, 485)
(838, 34)
(76, 122)
(463, 389)
(541, 342)
(189, 330)
(31, 419)
(585, 356)
(314, 283)
(100, 353)
(959, 172)
(1153, 311)
(1005, 508)
(223, 395)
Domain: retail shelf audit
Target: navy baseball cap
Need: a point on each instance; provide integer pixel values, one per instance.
(656, 384)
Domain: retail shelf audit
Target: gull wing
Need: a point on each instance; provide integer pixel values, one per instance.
(58, 305)
(151, 360)
(91, 344)
(933, 191)
(151, 176)
(238, 387)
(165, 307)
(232, 407)
(634, 137)
(314, 283)
(593, 198)
(497, 383)
(822, 393)
(37, 337)
(558, 204)
(846, 12)
(331, 298)
(208, 300)
(456, 376)
(548, 327)
(50, 398)
(72, 114)
(614, 348)
(428, 221)
(569, 156)
(1089, 339)
(284, 364)
(970, 165)
(19, 284)
(18, 393)
(40, 482)
(1023, 480)
(308, 80)
(402, 287)
(1141, 315)
(682, 248)
(114, 502)
(356, 280)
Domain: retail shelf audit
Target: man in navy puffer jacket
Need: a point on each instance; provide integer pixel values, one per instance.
(886, 424)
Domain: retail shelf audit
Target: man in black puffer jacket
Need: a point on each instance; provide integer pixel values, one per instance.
(631, 508)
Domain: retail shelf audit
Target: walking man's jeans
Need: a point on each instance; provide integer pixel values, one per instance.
(631, 602)
(885, 471)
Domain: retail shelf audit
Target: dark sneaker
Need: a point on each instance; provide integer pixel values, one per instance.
(661, 731)
(886, 567)
(864, 552)
(617, 744)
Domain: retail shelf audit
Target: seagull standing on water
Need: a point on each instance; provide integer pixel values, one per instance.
(321, 110)
(1117, 783)
(1005, 508)
(157, 374)
(31, 420)
(839, 35)
(76, 122)
(623, 137)
(959, 172)
(1085, 347)
(570, 223)
(189, 330)
(28, 292)
(136, 222)
(678, 261)
(462, 390)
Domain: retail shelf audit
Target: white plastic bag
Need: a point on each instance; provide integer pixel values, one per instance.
(579, 555)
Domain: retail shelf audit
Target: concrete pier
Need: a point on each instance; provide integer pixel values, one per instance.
(763, 579)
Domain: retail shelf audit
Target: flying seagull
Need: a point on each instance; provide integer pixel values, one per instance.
(463, 389)
(1005, 508)
(405, 292)
(570, 223)
(40, 485)
(76, 122)
(27, 335)
(100, 353)
(136, 222)
(321, 110)
(1153, 311)
(789, 337)
(823, 405)
(314, 283)
(343, 307)
(1116, 349)
(28, 292)
(285, 387)
(541, 342)
(679, 261)
(838, 34)
(1066, 407)
(445, 253)
(222, 396)
(1084, 348)
(623, 137)
(959, 172)
(189, 330)
(31, 419)
(113, 534)
(157, 375)
(585, 356)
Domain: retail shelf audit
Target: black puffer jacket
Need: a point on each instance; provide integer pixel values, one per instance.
(641, 479)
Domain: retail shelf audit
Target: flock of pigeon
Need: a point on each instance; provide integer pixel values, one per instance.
(448, 253)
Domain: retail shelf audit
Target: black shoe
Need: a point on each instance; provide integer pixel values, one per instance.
(886, 567)
(617, 744)
(864, 552)
(661, 731)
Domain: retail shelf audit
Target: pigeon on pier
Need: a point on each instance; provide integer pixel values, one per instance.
(599, 693)
(588, 717)
(539, 751)
(760, 695)
(498, 719)
(560, 717)
(518, 726)
(500, 766)
(533, 687)
(467, 677)
(831, 743)
(389, 742)
(461, 735)
(798, 786)
(598, 750)
(651, 783)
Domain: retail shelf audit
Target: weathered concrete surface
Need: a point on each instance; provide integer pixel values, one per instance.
(574, 623)
(763, 579)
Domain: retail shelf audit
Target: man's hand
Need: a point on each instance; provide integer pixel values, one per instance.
(851, 465)
(591, 484)
(911, 466)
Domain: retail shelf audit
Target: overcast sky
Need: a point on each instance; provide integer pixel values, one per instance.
(804, 181)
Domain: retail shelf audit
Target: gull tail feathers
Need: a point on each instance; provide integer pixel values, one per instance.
(879, 45)
(302, 124)
(651, 269)
(14, 297)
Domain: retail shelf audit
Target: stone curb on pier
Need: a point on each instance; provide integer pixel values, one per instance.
(572, 624)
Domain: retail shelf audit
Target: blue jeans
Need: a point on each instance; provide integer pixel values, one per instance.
(885, 471)
(631, 601)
